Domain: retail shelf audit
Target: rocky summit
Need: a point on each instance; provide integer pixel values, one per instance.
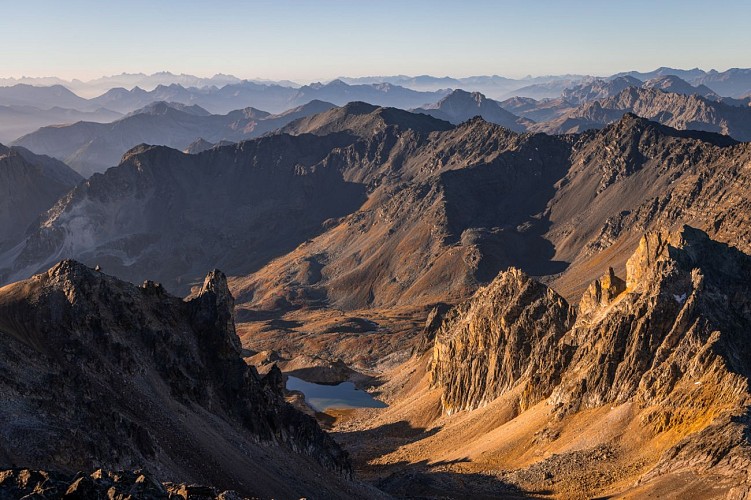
(506, 333)
(96, 372)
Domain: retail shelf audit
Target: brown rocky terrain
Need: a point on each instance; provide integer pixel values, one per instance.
(506, 333)
(358, 224)
(642, 391)
(589, 193)
(657, 178)
(98, 373)
(420, 210)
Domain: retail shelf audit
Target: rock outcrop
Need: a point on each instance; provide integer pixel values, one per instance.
(672, 339)
(96, 372)
(507, 334)
(601, 292)
(119, 485)
(682, 319)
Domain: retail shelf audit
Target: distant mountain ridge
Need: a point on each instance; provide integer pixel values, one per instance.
(97, 86)
(734, 82)
(685, 112)
(16, 121)
(94, 147)
(273, 98)
(460, 106)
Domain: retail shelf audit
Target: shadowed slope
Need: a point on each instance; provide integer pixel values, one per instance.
(100, 373)
(168, 215)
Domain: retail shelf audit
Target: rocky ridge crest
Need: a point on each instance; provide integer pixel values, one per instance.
(671, 338)
(100, 373)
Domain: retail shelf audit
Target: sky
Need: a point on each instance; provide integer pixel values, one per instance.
(311, 40)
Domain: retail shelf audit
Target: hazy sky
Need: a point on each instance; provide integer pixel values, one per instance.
(318, 39)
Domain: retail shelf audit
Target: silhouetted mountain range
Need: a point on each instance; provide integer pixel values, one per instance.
(93, 147)
(16, 121)
(274, 98)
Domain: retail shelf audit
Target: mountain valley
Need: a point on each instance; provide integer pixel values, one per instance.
(545, 283)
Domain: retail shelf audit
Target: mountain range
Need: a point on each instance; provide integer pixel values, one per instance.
(274, 98)
(682, 111)
(548, 297)
(733, 82)
(93, 147)
(16, 121)
(406, 181)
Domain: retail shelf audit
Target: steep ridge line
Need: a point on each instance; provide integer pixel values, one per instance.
(96, 371)
(670, 339)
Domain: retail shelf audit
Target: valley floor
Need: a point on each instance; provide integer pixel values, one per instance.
(412, 450)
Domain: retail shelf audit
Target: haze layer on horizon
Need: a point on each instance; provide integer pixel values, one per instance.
(318, 40)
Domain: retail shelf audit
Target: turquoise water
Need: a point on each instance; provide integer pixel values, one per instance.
(322, 397)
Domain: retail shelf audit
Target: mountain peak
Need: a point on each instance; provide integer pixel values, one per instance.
(71, 270)
(159, 108)
(214, 309)
(634, 126)
(492, 321)
(460, 106)
(358, 108)
(460, 94)
(216, 283)
(690, 248)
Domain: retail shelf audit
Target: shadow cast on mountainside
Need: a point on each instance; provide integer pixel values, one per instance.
(422, 479)
(500, 208)
(366, 445)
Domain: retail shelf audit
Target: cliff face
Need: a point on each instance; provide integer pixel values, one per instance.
(96, 372)
(677, 334)
(507, 334)
(672, 338)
